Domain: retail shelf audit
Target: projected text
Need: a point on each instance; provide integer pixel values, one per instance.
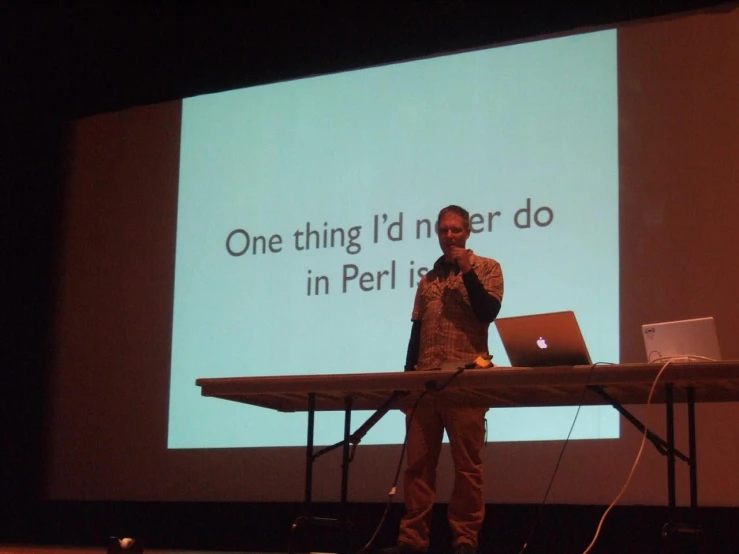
(240, 242)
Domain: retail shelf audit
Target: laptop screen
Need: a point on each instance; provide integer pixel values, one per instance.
(549, 339)
(685, 340)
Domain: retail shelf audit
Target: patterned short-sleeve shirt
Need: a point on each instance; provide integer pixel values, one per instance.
(450, 331)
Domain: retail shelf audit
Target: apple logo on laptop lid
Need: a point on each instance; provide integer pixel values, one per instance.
(542, 343)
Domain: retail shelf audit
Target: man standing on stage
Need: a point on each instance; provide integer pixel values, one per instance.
(455, 303)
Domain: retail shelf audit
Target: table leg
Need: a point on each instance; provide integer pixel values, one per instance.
(692, 448)
(309, 452)
(670, 416)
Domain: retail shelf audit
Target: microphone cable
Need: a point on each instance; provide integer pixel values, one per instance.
(430, 386)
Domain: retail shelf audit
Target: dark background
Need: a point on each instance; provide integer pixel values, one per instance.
(64, 62)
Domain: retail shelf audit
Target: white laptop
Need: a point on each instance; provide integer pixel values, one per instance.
(549, 339)
(688, 340)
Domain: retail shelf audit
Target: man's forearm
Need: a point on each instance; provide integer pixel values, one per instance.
(414, 345)
(485, 305)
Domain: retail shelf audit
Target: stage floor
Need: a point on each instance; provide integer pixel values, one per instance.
(31, 549)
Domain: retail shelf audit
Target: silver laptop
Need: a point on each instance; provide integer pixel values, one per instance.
(549, 339)
(687, 340)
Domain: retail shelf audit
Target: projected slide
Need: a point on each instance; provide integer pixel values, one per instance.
(306, 213)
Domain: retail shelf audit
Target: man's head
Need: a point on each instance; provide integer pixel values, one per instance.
(453, 229)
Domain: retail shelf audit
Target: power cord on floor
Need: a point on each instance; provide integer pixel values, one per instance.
(633, 467)
(559, 461)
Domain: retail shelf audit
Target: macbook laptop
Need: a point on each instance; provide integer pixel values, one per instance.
(685, 340)
(543, 340)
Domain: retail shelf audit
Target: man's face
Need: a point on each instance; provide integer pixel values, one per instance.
(452, 232)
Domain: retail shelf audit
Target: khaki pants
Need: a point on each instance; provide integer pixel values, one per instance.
(466, 429)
